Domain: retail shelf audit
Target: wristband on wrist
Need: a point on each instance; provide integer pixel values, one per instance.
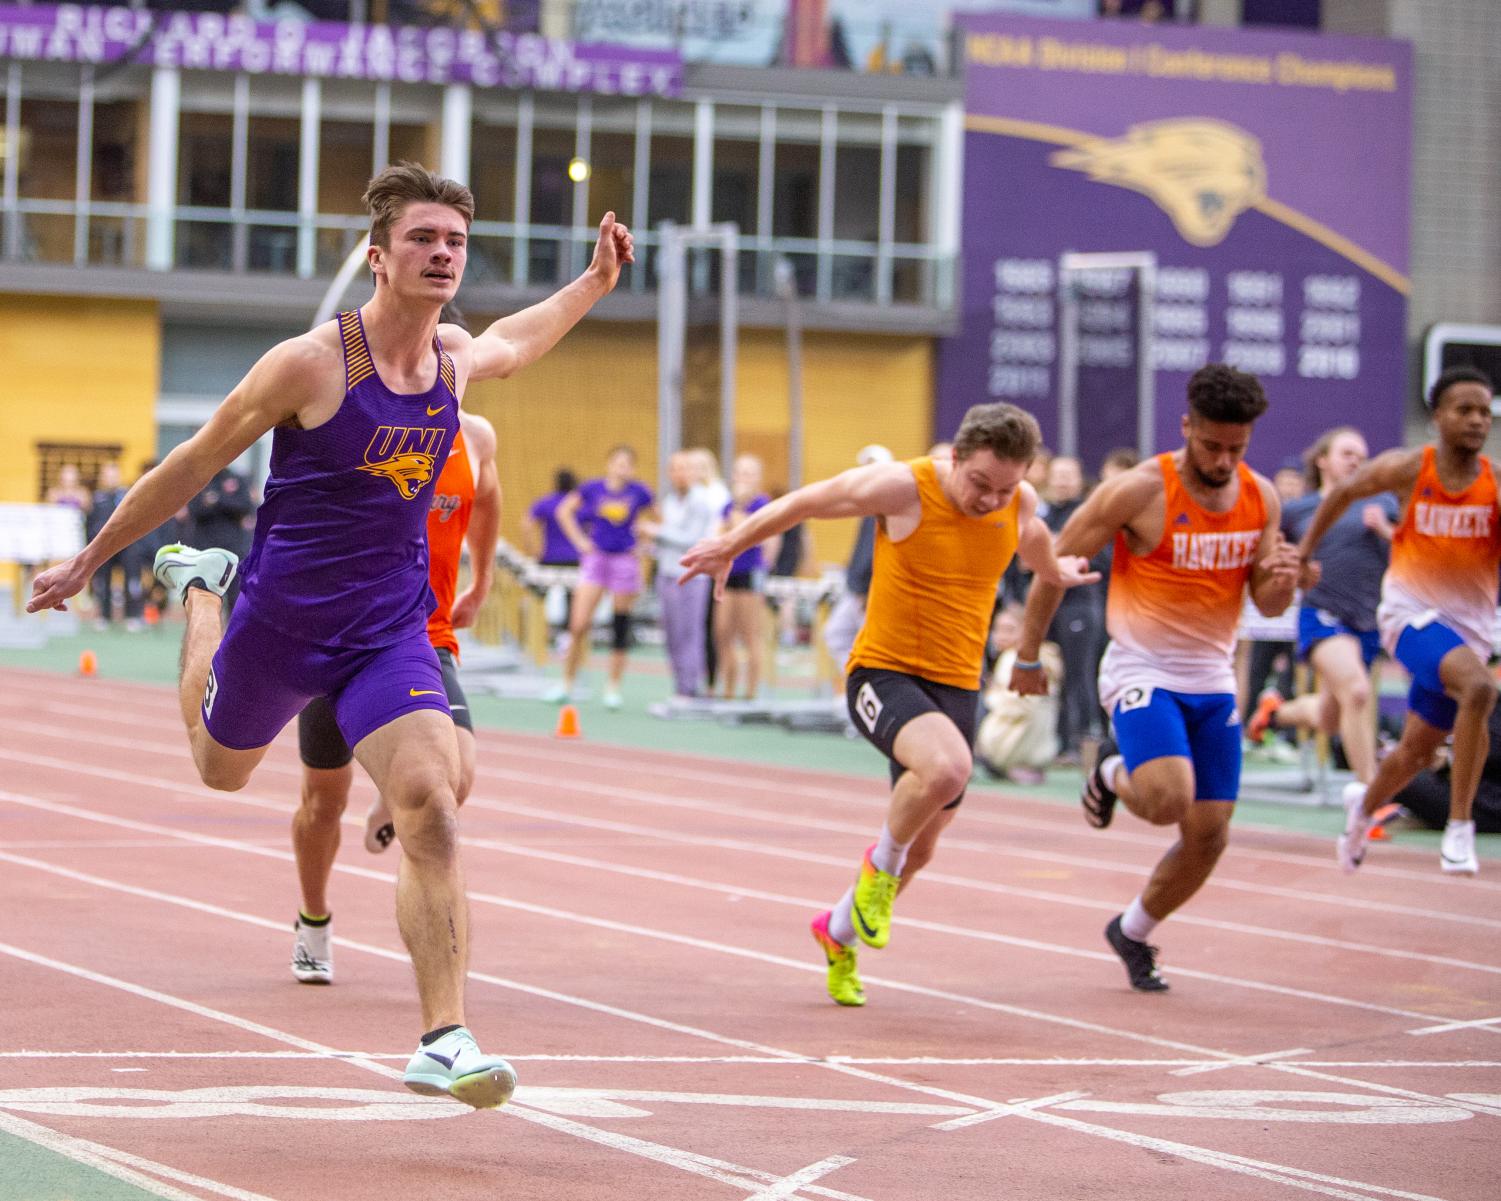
(1027, 664)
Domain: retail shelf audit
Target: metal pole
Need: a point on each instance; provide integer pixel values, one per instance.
(729, 337)
(670, 322)
(1146, 372)
(786, 284)
(1068, 364)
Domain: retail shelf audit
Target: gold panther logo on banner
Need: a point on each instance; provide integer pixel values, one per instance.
(1202, 173)
(405, 455)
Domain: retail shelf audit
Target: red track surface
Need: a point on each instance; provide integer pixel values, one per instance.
(641, 953)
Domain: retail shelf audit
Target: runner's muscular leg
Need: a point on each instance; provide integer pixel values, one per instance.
(1160, 791)
(1469, 682)
(1413, 753)
(219, 766)
(1202, 837)
(414, 762)
(938, 762)
(920, 853)
(1343, 670)
(315, 831)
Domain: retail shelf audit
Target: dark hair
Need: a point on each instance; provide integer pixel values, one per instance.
(1311, 473)
(1221, 393)
(389, 193)
(1006, 431)
(621, 448)
(1124, 457)
(1463, 374)
(564, 480)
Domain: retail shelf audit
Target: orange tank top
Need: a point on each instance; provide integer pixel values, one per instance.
(1179, 605)
(447, 523)
(1447, 547)
(932, 593)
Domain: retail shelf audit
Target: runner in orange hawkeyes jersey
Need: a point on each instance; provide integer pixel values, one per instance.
(947, 530)
(466, 507)
(1438, 607)
(1191, 530)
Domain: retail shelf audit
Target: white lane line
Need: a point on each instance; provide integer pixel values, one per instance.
(1478, 1023)
(837, 788)
(1292, 1177)
(1010, 1109)
(718, 1170)
(1248, 1061)
(790, 1186)
(122, 1165)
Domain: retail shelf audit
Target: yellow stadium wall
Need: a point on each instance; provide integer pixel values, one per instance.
(77, 370)
(599, 388)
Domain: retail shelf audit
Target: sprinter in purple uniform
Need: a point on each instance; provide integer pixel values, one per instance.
(335, 598)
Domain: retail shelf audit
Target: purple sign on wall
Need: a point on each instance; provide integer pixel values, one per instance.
(74, 33)
(1269, 174)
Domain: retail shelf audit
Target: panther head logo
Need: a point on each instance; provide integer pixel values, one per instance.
(408, 471)
(1202, 173)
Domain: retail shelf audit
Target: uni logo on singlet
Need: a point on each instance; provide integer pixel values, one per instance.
(1452, 521)
(405, 455)
(1214, 552)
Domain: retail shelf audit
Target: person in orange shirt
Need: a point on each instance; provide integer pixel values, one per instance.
(947, 528)
(1438, 607)
(1191, 529)
(466, 507)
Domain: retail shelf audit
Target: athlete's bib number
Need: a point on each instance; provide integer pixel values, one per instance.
(210, 691)
(868, 706)
(1134, 698)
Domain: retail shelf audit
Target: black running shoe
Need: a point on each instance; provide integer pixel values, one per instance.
(1097, 797)
(1139, 958)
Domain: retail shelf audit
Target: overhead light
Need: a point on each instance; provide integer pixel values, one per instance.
(578, 169)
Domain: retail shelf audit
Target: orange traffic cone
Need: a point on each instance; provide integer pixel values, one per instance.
(88, 665)
(568, 723)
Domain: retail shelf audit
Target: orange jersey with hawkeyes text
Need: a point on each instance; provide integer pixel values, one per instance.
(1172, 613)
(932, 593)
(447, 523)
(1445, 556)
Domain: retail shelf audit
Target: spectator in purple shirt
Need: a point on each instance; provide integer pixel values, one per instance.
(740, 621)
(609, 562)
(552, 545)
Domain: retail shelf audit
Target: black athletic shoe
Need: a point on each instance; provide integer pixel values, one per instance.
(1097, 797)
(1139, 958)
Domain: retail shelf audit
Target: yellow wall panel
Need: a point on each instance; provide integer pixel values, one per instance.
(76, 370)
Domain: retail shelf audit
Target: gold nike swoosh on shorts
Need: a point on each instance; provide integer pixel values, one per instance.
(435, 412)
(423, 692)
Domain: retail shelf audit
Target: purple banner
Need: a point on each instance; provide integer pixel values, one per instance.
(1268, 172)
(212, 42)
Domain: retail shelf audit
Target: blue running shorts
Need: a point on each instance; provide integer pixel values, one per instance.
(1420, 649)
(1202, 727)
(1314, 625)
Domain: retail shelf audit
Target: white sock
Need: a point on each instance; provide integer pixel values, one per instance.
(1451, 824)
(842, 920)
(890, 855)
(1108, 770)
(1136, 923)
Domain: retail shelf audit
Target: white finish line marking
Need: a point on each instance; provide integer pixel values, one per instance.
(789, 1185)
(1246, 1061)
(1007, 1110)
(1478, 1024)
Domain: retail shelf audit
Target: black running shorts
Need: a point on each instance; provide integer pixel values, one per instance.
(323, 747)
(881, 702)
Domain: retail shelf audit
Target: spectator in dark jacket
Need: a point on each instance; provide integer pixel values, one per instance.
(219, 516)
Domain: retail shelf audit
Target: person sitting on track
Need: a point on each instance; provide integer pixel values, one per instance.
(336, 594)
(947, 528)
(1438, 607)
(1191, 528)
(465, 506)
(1337, 632)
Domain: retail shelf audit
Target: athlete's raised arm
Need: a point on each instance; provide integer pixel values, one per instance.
(484, 519)
(879, 490)
(276, 389)
(1391, 471)
(522, 338)
(1111, 507)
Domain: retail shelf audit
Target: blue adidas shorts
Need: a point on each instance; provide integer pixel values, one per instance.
(1314, 625)
(1420, 649)
(1202, 727)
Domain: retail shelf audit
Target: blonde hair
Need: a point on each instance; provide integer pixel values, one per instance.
(389, 193)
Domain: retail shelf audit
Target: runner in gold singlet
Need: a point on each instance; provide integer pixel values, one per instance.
(947, 530)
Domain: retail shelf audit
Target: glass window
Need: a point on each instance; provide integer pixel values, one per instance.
(492, 178)
(204, 172)
(48, 171)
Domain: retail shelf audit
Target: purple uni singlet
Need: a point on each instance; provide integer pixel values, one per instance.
(340, 550)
